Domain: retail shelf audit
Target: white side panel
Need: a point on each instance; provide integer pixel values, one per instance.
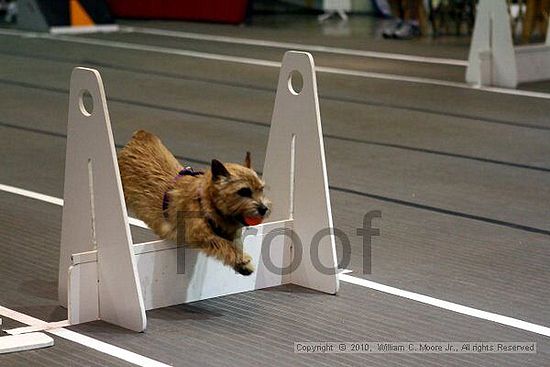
(92, 177)
(492, 32)
(533, 63)
(83, 296)
(203, 277)
(200, 278)
(296, 149)
(485, 68)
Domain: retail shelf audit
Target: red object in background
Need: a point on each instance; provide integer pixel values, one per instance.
(227, 11)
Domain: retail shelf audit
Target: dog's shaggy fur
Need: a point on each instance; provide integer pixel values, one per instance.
(214, 205)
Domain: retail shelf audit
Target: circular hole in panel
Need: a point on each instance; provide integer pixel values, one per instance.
(295, 82)
(86, 103)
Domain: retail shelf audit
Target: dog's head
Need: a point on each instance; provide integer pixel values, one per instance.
(236, 191)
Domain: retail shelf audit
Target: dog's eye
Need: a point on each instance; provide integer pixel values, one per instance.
(245, 192)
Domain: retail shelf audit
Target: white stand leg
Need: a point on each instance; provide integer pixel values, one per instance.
(94, 212)
(296, 150)
(492, 35)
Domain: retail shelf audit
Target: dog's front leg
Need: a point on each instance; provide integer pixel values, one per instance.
(230, 254)
(196, 233)
(201, 236)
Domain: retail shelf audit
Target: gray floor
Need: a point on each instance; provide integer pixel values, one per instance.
(461, 177)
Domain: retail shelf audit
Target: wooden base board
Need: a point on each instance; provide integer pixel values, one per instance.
(19, 343)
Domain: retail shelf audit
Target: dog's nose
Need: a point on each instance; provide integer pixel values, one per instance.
(262, 209)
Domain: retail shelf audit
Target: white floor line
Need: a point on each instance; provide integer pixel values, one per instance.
(272, 64)
(31, 194)
(35, 328)
(84, 340)
(465, 310)
(53, 200)
(454, 307)
(294, 46)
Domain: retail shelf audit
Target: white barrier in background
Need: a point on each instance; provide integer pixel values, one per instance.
(335, 7)
(493, 59)
(104, 275)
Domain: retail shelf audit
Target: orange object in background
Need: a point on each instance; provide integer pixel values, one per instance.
(79, 17)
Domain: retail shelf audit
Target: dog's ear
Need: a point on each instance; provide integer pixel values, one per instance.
(218, 169)
(247, 160)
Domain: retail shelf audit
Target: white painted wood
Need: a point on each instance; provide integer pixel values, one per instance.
(92, 177)
(44, 326)
(485, 68)
(118, 280)
(202, 278)
(533, 63)
(492, 32)
(19, 343)
(493, 60)
(304, 196)
(83, 295)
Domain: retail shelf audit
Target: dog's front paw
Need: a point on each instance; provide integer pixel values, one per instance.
(245, 266)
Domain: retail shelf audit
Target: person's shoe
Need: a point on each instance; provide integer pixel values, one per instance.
(407, 31)
(389, 31)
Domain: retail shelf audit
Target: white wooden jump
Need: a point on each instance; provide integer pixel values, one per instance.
(105, 276)
(493, 59)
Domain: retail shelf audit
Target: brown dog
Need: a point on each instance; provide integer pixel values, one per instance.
(216, 204)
